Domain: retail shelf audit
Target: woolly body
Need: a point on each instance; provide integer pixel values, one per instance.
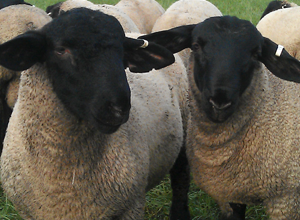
(242, 140)
(44, 155)
(251, 157)
(144, 13)
(14, 20)
(56, 165)
(276, 5)
(126, 22)
(281, 26)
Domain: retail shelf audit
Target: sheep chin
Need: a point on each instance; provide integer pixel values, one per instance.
(108, 126)
(218, 115)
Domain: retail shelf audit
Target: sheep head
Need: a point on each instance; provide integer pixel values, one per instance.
(85, 53)
(226, 51)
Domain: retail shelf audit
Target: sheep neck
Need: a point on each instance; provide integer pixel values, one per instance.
(60, 132)
(212, 137)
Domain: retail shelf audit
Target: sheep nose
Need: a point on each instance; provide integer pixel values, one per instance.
(219, 106)
(118, 111)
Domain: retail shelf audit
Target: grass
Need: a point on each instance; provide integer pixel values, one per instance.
(158, 199)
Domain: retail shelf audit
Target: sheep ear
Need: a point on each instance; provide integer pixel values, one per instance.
(279, 61)
(142, 56)
(54, 10)
(175, 39)
(23, 51)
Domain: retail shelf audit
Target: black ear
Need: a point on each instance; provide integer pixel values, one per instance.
(175, 39)
(280, 63)
(143, 56)
(23, 51)
(54, 10)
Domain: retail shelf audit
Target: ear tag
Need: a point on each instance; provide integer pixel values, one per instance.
(146, 43)
(279, 50)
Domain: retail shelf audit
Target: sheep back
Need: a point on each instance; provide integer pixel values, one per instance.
(126, 22)
(144, 13)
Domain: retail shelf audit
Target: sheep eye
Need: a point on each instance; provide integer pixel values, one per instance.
(256, 53)
(61, 50)
(195, 47)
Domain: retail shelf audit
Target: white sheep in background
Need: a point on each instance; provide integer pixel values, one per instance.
(15, 20)
(243, 140)
(6, 3)
(144, 13)
(83, 142)
(184, 12)
(126, 22)
(282, 27)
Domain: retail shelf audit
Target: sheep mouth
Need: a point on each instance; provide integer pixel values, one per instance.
(109, 125)
(219, 115)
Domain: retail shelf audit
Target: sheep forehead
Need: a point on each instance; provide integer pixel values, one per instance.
(83, 27)
(228, 29)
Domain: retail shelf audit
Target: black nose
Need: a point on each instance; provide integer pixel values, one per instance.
(119, 111)
(219, 106)
(116, 111)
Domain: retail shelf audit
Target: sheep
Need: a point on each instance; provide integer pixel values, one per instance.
(21, 19)
(6, 3)
(83, 142)
(144, 13)
(243, 133)
(185, 12)
(126, 22)
(281, 26)
(275, 5)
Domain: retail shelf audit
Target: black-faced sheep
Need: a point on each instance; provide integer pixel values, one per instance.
(14, 20)
(282, 27)
(126, 22)
(243, 140)
(275, 5)
(83, 142)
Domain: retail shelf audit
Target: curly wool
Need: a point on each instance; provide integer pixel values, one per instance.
(251, 156)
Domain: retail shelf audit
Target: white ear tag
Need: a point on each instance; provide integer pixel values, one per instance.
(146, 43)
(279, 50)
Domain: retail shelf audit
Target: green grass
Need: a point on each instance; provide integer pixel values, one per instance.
(158, 199)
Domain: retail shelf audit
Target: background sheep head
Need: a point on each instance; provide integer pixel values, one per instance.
(85, 53)
(226, 51)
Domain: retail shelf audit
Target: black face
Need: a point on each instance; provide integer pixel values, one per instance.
(86, 68)
(225, 50)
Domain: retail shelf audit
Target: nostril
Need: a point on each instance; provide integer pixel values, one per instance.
(219, 106)
(116, 110)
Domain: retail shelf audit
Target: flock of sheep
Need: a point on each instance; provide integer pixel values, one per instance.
(100, 102)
